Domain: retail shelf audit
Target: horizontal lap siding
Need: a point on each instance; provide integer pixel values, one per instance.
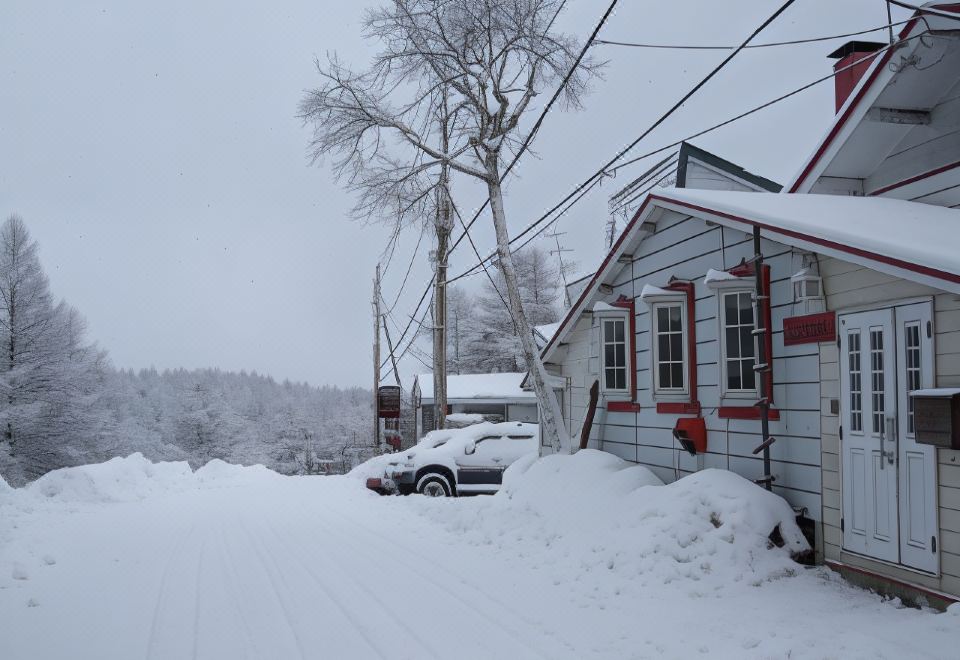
(850, 286)
(687, 248)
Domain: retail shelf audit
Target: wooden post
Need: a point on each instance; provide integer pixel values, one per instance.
(376, 360)
(591, 411)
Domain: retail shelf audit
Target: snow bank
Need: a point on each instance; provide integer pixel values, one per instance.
(135, 478)
(598, 518)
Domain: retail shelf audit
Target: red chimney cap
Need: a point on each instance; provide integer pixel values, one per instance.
(856, 47)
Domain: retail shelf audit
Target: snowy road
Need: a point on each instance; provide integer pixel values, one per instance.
(318, 568)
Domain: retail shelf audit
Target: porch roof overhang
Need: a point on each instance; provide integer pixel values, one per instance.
(893, 97)
(910, 240)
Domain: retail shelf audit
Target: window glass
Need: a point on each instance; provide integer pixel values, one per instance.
(739, 342)
(669, 348)
(614, 354)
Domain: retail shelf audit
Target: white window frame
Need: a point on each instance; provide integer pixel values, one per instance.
(725, 391)
(624, 317)
(667, 392)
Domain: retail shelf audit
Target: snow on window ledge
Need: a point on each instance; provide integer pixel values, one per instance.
(721, 279)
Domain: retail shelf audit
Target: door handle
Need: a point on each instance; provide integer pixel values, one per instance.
(496, 459)
(891, 436)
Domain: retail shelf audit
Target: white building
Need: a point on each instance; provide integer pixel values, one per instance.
(861, 307)
(498, 397)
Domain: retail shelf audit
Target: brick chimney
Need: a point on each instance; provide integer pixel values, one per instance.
(858, 54)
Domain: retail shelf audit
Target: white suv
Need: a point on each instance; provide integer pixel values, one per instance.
(458, 461)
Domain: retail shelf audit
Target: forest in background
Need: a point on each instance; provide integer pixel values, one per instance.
(62, 403)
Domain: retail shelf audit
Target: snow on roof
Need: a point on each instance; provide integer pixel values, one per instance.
(920, 242)
(547, 330)
(908, 235)
(478, 386)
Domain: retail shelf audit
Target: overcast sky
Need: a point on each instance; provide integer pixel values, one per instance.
(154, 152)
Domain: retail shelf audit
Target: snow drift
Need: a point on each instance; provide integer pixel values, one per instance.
(134, 478)
(615, 525)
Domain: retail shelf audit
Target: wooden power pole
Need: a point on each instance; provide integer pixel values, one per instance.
(376, 360)
(440, 310)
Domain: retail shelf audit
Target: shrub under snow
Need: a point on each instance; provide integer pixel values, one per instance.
(593, 515)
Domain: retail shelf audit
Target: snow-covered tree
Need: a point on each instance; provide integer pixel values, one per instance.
(486, 62)
(49, 374)
(494, 345)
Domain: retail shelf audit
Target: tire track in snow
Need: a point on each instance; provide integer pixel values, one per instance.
(273, 575)
(233, 580)
(163, 589)
(493, 616)
(494, 604)
(372, 600)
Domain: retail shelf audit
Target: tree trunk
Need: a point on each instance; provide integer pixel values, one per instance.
(551, 418)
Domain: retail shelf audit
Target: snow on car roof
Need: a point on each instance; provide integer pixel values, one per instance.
(478, 386)
(921, 238)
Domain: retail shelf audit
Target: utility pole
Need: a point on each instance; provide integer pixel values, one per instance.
(376, 360)
(444, 226)
(563, 270)
(440, 308)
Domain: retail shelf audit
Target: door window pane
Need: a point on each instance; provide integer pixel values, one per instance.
(912, 358)
(876, 378)
(856, 393)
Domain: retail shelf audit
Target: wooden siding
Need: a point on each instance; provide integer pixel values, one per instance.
(686, 248)
(850, 286)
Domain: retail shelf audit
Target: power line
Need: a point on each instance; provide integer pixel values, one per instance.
(926, 10)
(594, 179)
(604, 42)
(602, 171)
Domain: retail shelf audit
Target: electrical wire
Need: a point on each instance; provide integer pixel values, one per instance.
(603, 170)
(407, 274)
(593, 179)
(604, 42)
(926, 10)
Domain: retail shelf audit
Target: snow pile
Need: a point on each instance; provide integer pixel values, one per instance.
(135, 478)
(613, 525)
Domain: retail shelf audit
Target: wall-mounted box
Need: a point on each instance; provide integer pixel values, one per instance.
(936, 417)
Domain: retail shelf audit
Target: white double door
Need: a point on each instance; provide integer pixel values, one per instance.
(889, 482)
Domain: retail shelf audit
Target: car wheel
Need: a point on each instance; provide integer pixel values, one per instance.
(433, 485)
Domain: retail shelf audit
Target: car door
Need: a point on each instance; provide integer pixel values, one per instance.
(482, 468)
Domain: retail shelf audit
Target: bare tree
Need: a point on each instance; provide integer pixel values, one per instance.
(484, 62)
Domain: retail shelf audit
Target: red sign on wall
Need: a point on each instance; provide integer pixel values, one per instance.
(388, 402)
(810, 329)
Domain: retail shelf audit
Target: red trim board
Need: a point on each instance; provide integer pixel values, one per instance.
(744, 412)
(914, 179)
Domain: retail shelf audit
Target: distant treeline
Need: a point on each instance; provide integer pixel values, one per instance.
(62, 403)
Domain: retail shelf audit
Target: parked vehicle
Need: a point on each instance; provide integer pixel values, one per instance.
(456, 462)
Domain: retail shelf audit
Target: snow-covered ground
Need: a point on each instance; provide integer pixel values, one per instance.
(577, 557)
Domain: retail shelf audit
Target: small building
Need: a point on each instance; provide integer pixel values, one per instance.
(859, 310)
(498, 397)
